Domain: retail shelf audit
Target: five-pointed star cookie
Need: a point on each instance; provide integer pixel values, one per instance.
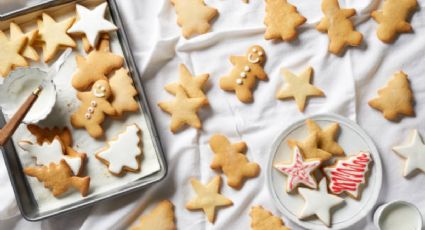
(10, 53)
(414, 153)
(208, 197)
(261, 219)
(319, 203)
(298, 171)
(28, 51)
(161, 218)
(54, 35)
(326, 137)
(192, 85)
(298, 87)
(92, 23)
(183, 110)
(309, 147)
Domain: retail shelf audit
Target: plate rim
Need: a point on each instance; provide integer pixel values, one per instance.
(377, 163)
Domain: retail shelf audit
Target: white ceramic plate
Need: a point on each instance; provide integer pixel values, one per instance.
(352, 139)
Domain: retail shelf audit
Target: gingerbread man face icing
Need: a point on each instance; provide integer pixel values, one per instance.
(256, 55)
(101, 89)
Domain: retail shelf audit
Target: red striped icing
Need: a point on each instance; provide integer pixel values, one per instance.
(349, 174)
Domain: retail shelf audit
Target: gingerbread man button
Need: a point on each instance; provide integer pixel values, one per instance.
(246, 70)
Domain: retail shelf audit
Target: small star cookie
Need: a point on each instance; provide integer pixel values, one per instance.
(282, 20)
(414, 154)
(309, 147)
(298, 87)
(183, 110)
(262, 219)
(326, 137)
(395, 99)
(160, 218)
(230, 158)
(208, 197)
(28, 51)
(10, 51)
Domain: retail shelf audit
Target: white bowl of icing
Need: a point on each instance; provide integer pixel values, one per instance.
(397, 215)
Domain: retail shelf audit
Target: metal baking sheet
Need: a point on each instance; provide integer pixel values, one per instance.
(25, 200)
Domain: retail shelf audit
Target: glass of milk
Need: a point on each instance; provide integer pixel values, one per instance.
(397, 215)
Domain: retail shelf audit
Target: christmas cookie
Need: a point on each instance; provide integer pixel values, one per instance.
(282, 20)
(262, 219)
(243, 77)
(208, 197)
(96, 66)
(326, 137)
(53, 35)
(124, 153)
(310, 147)
(160, 218)
(298, 87)
(349, 174)
(194, 16)
(298, 171)
(28, 51)
(395, 99)
(11, 53)
(414, 154)
(193, 86)
(91, 23)
(319, 203)
(183, 110)
(58, 178)
(392, 19)
(123, 92)
(94, 106)
(337, 24)
(231, 159)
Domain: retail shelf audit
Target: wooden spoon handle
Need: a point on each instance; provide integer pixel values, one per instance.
(7, 131)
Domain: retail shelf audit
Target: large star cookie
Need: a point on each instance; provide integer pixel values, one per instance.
(10, 53)
(28, 51)
(414, 153)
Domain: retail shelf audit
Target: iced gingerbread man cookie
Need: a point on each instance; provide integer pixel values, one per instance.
(243, 77)
(94, 106)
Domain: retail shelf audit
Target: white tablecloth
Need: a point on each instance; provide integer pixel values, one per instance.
(349, 82)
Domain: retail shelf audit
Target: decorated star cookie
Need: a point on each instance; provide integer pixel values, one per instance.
(28, 51)
(52, 152)
(10, 53)
(337, 24)
(92, 23)
(298, 87)
(310, 147)
(319, 203)
(349, 174)
(298, 171)
(326, 137)
(262, 219)
(123, 92)
(183, 110)
(194, 16)
(53, 35)
(161, 218)
(96, 66)
(208, 197)
(395, 99)
(193, 86)
(58, 178)
(124, 152)
(282, 20)
(392, 19)
(230, 158)
(243, 77)
(414, 154)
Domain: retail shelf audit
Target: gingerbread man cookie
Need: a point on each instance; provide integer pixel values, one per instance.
(93, 108)
(243, 77)
(338, 26)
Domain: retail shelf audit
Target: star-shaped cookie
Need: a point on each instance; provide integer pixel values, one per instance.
(92, 23)
(319, 203)
(193, 86)
(298, 87)
(208, 197)
(413, 152)
(183, 110)
(54, 35)
(261, 219)
(326, 137)
(161, 218)
(298, 171)
(310, 148)
(28, 51)
(10, 53)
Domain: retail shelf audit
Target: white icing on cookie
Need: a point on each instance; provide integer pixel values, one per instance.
(239, 81)
(318, 202)
(74, 163)
(123, 151)
(414, 153)
(92, 23)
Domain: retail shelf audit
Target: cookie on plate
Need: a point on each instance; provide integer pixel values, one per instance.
(326, 137)
(310, 147)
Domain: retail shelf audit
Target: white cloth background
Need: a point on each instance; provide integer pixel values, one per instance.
(349, 82)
